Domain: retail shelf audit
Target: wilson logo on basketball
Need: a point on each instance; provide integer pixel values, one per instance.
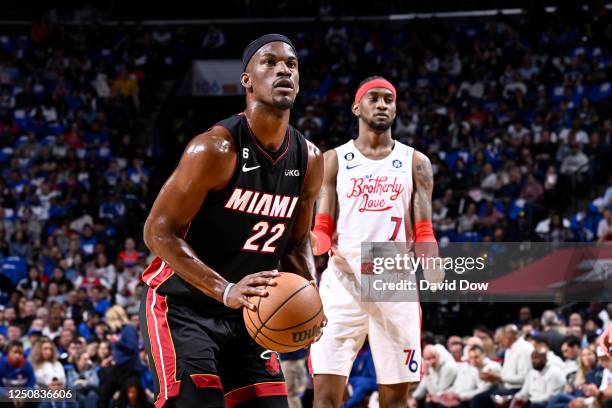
(303, 335)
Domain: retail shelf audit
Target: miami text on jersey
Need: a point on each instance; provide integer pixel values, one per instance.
(254, 202)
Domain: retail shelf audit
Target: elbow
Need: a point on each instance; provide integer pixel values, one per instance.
(150, 233)
(158, 232)
(146, 234)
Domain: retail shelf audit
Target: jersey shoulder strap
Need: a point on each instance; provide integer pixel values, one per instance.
(232, 125)
(346, 151)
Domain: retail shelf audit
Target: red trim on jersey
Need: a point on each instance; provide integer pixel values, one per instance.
(420, 340)
(162, 348)
(266, 389)
(206, 381)
(307, 167)
(309, 364)
(156, 273)
(263, 149)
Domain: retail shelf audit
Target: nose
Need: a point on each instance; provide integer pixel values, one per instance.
(282, 69)
(381, 104)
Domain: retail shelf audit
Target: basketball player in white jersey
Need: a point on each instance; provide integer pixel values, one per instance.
(375, 189)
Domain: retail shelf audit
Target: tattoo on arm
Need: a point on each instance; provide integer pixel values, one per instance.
(423, 180)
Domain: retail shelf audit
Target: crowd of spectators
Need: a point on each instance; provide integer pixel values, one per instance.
(509, 115)
(552, 361)
(73, 193)
(507, 111)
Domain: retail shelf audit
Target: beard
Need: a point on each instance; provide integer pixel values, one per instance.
(378, 125)
(282, 103)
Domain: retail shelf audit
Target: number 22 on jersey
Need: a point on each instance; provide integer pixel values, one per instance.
(260, 230)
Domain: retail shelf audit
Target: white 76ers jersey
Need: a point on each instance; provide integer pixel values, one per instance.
(373, 199)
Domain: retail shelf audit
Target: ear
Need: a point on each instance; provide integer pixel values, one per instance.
(356, 110)
(245, 80)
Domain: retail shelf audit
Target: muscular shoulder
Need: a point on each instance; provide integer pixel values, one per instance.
(421, 166)
(212, 154)
(331, 163)
(419, 158)
(314, 153)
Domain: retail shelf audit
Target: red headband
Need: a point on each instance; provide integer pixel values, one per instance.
(375, 83)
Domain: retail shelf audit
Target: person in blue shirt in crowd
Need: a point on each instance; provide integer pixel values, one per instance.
(125, 354)
(83, 378)
(15, 370)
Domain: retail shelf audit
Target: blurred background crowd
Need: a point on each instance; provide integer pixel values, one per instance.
(514, 114)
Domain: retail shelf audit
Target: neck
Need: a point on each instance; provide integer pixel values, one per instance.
(269, 125)
(373, 139)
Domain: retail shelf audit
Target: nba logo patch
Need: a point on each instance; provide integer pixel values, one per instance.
(349, 156)
(397, 164)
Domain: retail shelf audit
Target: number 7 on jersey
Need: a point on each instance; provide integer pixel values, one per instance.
(398, 222)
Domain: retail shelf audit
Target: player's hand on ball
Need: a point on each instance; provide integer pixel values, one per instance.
(323, 322)
(249, 286)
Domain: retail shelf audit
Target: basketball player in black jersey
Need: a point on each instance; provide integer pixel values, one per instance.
(239, 202)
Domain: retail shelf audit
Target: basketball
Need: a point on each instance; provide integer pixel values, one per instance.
(289, 318)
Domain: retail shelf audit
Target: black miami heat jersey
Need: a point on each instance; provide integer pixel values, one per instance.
(245, 227)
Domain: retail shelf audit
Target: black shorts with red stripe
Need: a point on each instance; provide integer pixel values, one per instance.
(213, 354)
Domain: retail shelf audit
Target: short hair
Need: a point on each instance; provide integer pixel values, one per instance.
(370, 78)
(13, 344)
(484, 329)
(549, 318)
(476, 347)
(427, 338)
(511, 329)
(571, 341)
(542, 340)
(75, 341)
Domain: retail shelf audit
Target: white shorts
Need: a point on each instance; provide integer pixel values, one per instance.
(393, 330)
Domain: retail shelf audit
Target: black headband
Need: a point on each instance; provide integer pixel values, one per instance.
(254, 46)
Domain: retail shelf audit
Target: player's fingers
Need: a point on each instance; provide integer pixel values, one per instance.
(267, 274)
(259, 281)
(254, 291)
(317, 337)
(244, 302)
